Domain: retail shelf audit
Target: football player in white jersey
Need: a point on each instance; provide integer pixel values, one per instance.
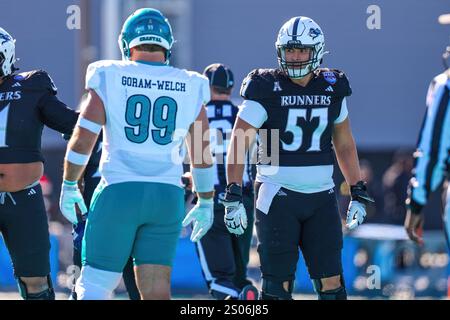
(302, 110)
(147, 110)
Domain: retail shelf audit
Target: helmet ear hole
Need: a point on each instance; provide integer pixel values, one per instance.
(125, 49)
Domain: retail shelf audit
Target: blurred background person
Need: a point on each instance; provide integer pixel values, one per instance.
(395, 181)
(375, 213)
(432, 156)
(223, 256)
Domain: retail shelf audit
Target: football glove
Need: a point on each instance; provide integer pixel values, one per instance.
(202, 215)
(71, 196)
(357, 208)
(235, 216)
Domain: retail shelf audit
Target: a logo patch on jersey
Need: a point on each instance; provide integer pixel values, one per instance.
(329, 89)
(19, 77)
(31, 192)
(329, 77)
(276, 86)
(16, 85)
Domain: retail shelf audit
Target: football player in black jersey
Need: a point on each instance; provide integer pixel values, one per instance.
(224, 257)
(300, 114)
(27, 102)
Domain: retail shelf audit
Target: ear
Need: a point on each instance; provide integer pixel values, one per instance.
(130, 52)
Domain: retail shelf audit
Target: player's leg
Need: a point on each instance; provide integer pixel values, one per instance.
(446, 212)
(90, 183)
(321, 245)
(215, 252)
(108, 239)
(241, 250)
(129, 280)
(446, 219)
(153, 281)
(242, 244)
(91, 180)
(25, 230)
(156, 239)
(77, 239)
(278, 232)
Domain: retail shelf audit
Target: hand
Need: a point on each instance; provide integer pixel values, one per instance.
(235, 216)
(414, 226)
(355, 214)
(414, 220)
(71, 196)
(186, 180)
(203, 216)
(235, 219)
(357, 208)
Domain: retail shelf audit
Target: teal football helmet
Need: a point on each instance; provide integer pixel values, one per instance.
(146, 26)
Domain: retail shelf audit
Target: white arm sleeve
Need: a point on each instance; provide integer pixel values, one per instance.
(253, 113)
(344, 112)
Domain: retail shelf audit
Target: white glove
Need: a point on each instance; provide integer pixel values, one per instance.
(235, 217)
(70, 196)
(203, 216)
(355, 214)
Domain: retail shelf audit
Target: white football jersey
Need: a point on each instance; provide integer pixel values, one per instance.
(149, 109)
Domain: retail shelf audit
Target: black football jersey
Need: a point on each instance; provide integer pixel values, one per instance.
(28, 102)
(302, 116)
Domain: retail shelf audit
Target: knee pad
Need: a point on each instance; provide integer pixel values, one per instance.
(274, 290)
(336, 294)
(96, 284)
(47, 294)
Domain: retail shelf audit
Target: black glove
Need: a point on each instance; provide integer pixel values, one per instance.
(359, 193)
(233, 193)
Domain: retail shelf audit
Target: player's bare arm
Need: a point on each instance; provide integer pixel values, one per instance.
(198, 148)
(79, 149)
(83, 140)
(242, 137)
(202, 175)
(346, 154)
(347, 157)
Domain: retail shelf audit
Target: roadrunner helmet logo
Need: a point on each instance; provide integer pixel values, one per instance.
(314, 32)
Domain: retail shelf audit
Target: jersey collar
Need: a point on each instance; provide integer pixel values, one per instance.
(151, 63)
